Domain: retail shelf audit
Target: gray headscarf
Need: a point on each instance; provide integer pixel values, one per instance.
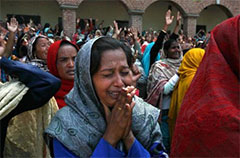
(32, 57)
(81, 124)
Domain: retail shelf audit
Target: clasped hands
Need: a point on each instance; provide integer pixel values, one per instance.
(119, 120)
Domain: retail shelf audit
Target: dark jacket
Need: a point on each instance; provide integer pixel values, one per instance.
(42, 86)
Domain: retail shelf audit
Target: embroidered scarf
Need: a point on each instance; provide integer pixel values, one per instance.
(160, 72)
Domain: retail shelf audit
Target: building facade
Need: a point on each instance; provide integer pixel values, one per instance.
(143, 14)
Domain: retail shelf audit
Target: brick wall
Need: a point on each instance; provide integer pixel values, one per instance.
(136, 9)
(188, 6)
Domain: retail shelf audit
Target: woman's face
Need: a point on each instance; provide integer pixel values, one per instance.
(174, 51)
(65, 62)
(42, 46)
(112, 75)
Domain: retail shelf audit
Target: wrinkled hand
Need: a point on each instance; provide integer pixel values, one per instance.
(120, 119)
(168, 17)
(13, 25)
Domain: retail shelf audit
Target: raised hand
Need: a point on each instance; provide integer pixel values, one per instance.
(134, 31)
(178, 23)
(117, 30)
(179, 18)
(168, 17)
(13, 25)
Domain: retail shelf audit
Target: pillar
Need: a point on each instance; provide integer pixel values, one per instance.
(136, 19)
(190, 24)
(69, 19)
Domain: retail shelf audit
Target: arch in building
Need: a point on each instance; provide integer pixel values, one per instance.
(127, 4)
(212, 15)
(180, 6)
(154, 14)
(224, 4)
(116, 10)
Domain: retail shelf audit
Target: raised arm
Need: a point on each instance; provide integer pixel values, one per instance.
(12, 28)
(116, 30)
(137, 47)
(159, 42)
(42, 85)
(174, 35)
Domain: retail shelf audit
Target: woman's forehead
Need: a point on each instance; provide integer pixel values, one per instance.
(112, 57)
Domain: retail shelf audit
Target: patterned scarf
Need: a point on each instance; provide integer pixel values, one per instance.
(80, 125)
(160, 72)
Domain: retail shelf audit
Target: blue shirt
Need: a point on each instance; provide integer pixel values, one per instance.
(146, 58)
(104, 149)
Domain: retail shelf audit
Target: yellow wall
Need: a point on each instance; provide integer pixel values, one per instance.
(48, 10)
(107, 11)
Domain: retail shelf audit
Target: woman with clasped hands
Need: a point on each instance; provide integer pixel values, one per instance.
(103, 117)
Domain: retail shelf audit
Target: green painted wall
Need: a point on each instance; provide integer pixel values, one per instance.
(48, 9)
(211, 16)
(107, 11)
(154, 16)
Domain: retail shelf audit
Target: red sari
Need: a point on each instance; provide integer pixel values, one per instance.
(208, 124)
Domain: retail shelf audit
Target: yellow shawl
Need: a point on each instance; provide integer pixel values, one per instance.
(25, 132)
(187, 70)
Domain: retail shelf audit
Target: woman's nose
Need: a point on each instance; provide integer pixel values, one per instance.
(118, 81)
(71, 63)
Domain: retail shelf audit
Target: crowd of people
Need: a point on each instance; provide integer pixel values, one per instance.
(115, 92)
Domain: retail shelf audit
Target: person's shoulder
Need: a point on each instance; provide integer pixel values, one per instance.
(66, 110)
(160, 64)
(142, 106)
(61, 120)
(143, 114)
